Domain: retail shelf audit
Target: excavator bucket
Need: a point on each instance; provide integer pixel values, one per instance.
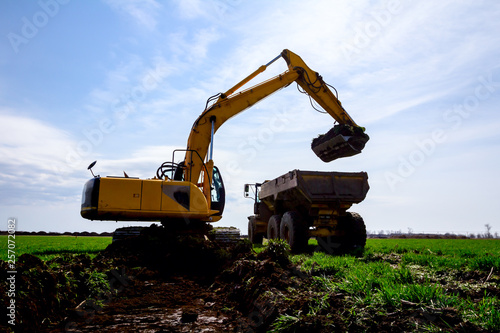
(340, 141)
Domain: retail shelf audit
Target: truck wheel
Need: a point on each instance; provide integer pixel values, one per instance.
(357, 231)
(352, 236)
(354, 239)
(273, 227)
(253, 236)
(294, 231)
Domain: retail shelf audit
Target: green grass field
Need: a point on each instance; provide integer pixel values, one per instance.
(46, 247)
(474, 254)
(457, 277)
(460, 276)
(480, 254)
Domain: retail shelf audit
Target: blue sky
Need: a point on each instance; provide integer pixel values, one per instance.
(122, 82)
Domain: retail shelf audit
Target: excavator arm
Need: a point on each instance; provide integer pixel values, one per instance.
(314, 86)
(347, 139)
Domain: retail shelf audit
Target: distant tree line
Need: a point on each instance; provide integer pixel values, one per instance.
(410, 234)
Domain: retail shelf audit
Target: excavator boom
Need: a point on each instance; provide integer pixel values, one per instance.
(345, 139)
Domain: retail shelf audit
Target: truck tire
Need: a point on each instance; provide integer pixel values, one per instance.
(294, 231)
(253, 236)
(357, 231)
(352, 239)
(273, 227)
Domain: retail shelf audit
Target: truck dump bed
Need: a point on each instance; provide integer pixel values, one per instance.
(304, 188)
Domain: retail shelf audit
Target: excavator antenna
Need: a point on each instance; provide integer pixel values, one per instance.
(91, 166)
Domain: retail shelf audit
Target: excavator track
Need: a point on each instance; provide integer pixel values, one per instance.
(225, 236)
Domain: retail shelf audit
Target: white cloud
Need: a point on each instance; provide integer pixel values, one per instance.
(191, 9)
(34, 166)
(29, 142)
(141, 163)
(143, 12)
(187, 50)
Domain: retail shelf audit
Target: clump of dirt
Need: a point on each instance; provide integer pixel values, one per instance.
(275, 295)
(268, 286)
(345, 130)
(333, 144)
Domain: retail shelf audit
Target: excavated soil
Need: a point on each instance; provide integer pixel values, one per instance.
(163, 283)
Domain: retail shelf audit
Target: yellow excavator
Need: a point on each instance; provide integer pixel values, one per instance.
(191, 193)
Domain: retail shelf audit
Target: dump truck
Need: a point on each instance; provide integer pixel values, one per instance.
(189, 192)
(303, 204)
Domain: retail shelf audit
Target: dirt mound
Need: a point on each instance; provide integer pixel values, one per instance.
(172, 254)
(47, 291)
(268, 287)
(183, 284)
(74, 289)
(168, 286)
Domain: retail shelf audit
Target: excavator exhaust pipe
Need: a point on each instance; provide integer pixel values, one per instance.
(340, 141)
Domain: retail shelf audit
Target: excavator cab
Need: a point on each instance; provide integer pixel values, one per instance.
(218, 192)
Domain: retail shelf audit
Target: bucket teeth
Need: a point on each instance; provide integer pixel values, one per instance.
(340, 141)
